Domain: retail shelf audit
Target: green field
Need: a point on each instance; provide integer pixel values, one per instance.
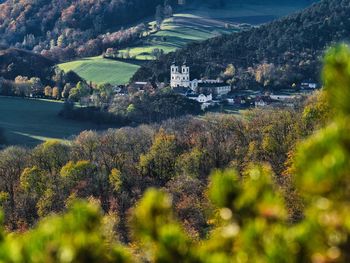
(190, 25)
(178, 31)
(100, 70)
(29, 122)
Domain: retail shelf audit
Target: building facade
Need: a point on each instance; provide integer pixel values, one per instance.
(180, 77)
(218, 89)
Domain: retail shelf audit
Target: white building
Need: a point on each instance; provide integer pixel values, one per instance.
(216, 88)
(308, 85)
(180, 77)
(201, 98)
(205, 101)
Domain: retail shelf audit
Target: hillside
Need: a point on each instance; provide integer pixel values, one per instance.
(14, 62)
(78, 28)
(175, 33)
(100, 70)
(55, 17)
(192, 24)
(29, 122)
(289, 48)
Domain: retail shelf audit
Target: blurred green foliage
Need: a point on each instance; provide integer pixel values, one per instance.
(74, 237)
(250, 223)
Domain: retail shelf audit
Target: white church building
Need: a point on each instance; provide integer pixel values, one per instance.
(180, 77)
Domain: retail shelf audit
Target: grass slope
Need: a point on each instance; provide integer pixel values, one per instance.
(198, 24)
(100, 70)
(178, 31)
(29, 122)
(194, 24)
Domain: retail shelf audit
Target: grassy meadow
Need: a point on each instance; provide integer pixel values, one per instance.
(178, 31)
(100, 70)
(29, 121)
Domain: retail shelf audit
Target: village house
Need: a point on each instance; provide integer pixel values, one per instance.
(263, 101)
(140, 86)
(308, 85)
(201, 98)
(237, 100)
(204, 100)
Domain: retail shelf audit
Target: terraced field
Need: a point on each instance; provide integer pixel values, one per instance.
(178, 31)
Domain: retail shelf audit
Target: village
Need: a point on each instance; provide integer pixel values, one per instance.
(213, 93)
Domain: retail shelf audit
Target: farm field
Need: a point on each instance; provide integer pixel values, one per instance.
(178, 31)
(100, 70)
(190, 25)
(175, 33)
(198, 24)
(29, 121)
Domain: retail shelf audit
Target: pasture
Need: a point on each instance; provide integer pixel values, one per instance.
(30, 121)
(100, 70)
(178, 31)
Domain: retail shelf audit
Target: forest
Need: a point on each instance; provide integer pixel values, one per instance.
(223, 183)
(214, 189)
(274, 55)
(264, 186)
(55, 27)
(64, 30)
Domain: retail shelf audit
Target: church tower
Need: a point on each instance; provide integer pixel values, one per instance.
(179, 78)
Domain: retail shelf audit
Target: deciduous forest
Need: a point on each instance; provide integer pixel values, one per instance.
(217, 189)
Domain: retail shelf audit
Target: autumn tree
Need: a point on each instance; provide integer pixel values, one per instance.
(159, 162)
(12, 162)
(48, 91)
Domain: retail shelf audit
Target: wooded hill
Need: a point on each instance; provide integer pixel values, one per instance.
(77, 28)
(24, 72)
(14, 62)
(276, 54)
(64, 26)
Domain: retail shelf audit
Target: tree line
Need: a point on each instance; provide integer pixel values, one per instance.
(104, 106)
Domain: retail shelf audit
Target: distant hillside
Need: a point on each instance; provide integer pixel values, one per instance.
(78, 28)
(289, 49)
(62, 26)
(188, 24)
(29, 67)
(14, 62)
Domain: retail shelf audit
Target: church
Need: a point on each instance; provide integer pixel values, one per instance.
(180, 77)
